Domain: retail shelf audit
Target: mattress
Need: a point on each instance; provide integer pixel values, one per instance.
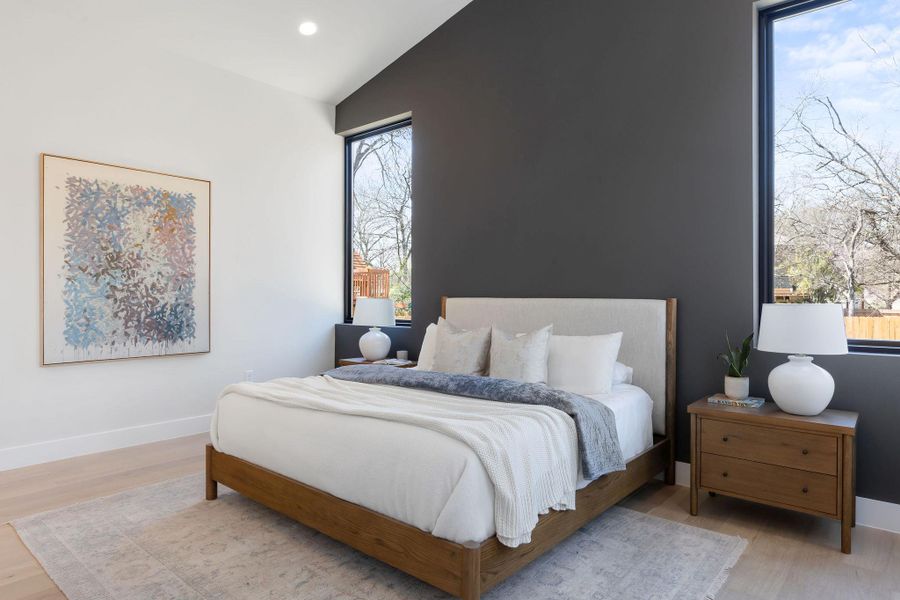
(634, 417)
(416, 475)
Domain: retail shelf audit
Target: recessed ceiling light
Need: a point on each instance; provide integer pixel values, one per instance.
(308, 28)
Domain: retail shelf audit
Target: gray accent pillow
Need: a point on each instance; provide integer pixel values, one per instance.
(520, 357)
(461, 351)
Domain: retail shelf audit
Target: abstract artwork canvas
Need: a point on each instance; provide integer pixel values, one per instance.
(125, 262)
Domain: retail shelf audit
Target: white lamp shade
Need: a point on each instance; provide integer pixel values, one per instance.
(374, 312)
(802, 329)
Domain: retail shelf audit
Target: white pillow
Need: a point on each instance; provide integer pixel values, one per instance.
(583, 364)
(426, 353)
(521, 357)
(622, 373)
(461, 351)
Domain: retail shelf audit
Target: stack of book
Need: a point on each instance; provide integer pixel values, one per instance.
(393, 362)
(749, 402)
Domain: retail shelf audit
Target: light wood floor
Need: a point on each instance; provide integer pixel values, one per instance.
(52, 485)
(790, 556)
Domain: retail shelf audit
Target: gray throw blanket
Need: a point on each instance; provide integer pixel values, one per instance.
(598, 442)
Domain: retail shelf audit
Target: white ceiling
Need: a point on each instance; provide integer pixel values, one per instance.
(259, 39)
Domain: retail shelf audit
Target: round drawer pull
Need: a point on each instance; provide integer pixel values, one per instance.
(805, 451)
(805, 489)
(724, 438)
(725, 474)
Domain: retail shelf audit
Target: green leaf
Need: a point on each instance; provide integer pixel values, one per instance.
(737, 358)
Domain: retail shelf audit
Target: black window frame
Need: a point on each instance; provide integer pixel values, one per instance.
(766, 208)
(348, 212)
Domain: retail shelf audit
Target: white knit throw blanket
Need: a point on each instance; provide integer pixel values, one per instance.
(530, 452)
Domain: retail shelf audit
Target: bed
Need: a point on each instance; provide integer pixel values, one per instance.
(430, 513)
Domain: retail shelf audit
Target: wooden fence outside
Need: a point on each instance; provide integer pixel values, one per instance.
(873, 328)
(372, 283)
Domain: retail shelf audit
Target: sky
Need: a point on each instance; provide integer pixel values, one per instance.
(849, 52)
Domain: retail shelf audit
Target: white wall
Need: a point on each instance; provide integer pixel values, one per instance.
(276, 171)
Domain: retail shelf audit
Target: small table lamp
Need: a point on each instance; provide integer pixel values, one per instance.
(377, 312)
(798, 386)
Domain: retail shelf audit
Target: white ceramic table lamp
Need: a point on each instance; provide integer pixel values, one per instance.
(377, 312)
(798, 386)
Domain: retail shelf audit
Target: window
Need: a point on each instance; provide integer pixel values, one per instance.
(830, 162)
(378, 218)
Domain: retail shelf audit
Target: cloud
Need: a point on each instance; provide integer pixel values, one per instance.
(859, 105)
(806, 22)
(847, 69)
(867, 43)
(890, 9)
(856, 62)
(866, 56)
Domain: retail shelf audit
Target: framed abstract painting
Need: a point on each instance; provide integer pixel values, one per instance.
(125, 262)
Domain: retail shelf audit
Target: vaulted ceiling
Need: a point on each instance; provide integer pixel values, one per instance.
(259, 39)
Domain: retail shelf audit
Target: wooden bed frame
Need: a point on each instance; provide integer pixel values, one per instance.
(464, 570)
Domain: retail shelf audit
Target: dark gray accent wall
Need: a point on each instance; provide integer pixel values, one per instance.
(603, 149)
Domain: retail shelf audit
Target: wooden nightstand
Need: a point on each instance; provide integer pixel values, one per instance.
(346, 362)
(765, 455)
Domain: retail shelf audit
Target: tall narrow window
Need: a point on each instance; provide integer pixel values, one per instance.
(830, 168)
(378, 244)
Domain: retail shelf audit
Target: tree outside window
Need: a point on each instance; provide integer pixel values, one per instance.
(836, 86)
(380, 168)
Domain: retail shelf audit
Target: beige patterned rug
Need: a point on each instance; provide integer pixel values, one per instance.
(165, 542)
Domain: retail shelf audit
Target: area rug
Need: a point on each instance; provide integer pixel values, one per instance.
(165, 542)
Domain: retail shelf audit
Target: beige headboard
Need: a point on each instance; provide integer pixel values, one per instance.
(648, 327)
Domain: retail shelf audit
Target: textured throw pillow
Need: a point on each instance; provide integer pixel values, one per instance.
(521, 357)
(622, 373)
(426, 354)
(461, 351)
(583, 364)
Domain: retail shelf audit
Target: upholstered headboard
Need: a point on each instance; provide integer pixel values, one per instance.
(648, 327)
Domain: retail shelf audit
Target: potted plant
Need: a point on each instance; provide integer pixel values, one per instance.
(737, 387)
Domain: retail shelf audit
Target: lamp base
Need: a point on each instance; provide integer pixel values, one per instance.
(374, 344)
(801, 388)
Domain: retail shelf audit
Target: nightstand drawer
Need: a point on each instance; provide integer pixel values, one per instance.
(779, 485)
(806, 451)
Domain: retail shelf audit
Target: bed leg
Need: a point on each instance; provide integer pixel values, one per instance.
(470, 577)
(212, 486)
(670, 469)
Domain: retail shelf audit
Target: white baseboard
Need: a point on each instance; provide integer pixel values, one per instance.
(41, 452)
(869, 513)
(682, 473)
(878, 514)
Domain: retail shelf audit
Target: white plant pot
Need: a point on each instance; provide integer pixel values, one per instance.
(737, 388)
(374, 344)
(801, 388)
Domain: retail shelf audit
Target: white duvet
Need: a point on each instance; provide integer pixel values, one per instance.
(430, 479)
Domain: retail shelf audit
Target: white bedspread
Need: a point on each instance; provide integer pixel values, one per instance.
(417, 475)
(530, 452)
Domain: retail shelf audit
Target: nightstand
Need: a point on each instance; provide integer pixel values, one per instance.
(768, 456)
(346, 362)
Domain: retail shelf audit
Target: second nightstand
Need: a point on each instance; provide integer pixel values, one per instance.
(766, 455)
